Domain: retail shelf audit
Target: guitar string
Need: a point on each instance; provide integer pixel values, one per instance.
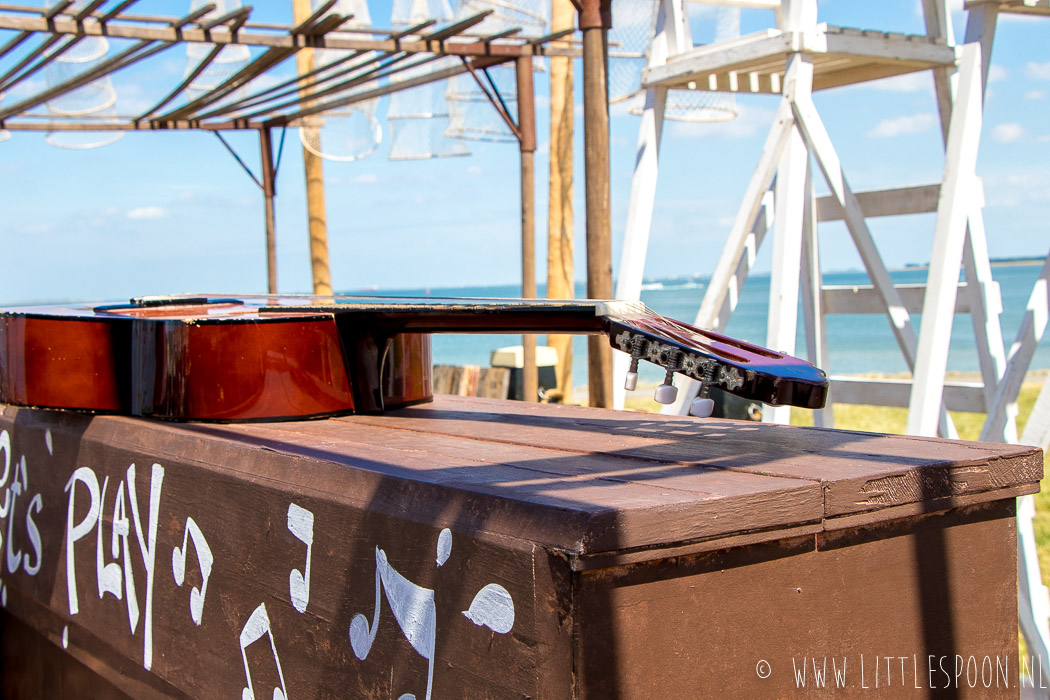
(686, 334)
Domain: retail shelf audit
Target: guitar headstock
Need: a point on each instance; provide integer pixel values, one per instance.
(713, 359)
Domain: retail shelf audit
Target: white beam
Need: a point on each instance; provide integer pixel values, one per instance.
(920, 199)
(900, 320)
(813, 299)
(791, 191)
(953, 210)
(1037, 429)
(863, 299)
(958, 396)
(1033, 324)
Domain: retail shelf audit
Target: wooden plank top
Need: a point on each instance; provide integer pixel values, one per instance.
(841, 56)
(1019, 7)
(587, 482)
(857, 471)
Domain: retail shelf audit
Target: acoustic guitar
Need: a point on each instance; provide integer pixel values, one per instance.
(290, 357)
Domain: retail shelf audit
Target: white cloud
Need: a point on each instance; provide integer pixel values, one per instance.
(150, 212)
(1037, 71)
(1015, 187)
(900, 126)
(1011, 132)
(997, 74)
(1035, 95)
(364, 179)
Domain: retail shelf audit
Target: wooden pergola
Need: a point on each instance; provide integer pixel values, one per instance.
(372, 55)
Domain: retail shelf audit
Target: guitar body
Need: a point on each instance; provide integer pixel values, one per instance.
(58, 357)
(216, 362)
(284, 358)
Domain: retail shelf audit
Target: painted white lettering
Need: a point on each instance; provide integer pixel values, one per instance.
(5, 447)
(147, 545)
(85, 476)
(108, 576)
(33, 533)
(16, 489)
(119, 541)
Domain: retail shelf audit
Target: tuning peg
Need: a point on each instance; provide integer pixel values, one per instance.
(631, 383)
(701, 407)
(666, 393)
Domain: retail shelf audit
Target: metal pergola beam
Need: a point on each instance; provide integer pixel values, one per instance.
(115, 29)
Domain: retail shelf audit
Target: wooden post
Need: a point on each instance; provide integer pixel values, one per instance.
(527, 143)
(269, 191)
(314, 171)
(595, 18)
(560, 283)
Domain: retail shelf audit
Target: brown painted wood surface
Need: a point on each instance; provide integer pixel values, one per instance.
(905, 589)
(631, 546)
(857, 471)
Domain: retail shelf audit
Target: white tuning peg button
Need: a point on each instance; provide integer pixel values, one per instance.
(666, 393)
(701, 408)
(631, 382)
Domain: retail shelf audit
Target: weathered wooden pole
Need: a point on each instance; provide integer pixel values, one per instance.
(595, 18)
(314, 171)
(527, 143)
(269, 188)
(560, 283)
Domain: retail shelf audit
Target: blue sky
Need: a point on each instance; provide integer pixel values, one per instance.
(173, 212)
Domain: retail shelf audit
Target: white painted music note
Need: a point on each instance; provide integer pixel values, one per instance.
(301, 524)
(492, 607)
(416, 612)
(257, 626)
(444, 550)
(205, 559)
(413, 607)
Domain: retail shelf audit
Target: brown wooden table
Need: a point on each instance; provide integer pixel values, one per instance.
(489, 549)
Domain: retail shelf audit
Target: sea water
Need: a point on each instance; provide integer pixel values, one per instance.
(857, 343)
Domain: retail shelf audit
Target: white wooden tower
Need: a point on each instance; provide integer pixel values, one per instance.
(791, 61)
(797, 57)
